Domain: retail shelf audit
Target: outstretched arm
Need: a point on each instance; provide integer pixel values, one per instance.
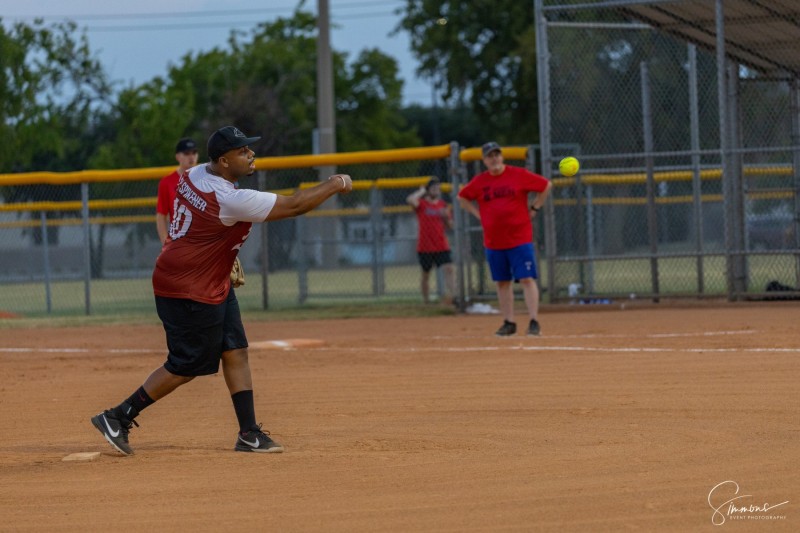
(304, 200)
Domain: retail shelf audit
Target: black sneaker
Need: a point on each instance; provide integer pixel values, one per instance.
(508, 328)
(533, 328)
(256, 440)
(115, 430)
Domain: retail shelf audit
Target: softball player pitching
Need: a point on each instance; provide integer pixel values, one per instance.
(211, 220)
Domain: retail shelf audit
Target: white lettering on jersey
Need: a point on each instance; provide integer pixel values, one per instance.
(191, 196)
(244, 238)
(181, 220)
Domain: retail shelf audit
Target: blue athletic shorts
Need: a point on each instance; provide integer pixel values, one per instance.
(514, 263)
(198, 333)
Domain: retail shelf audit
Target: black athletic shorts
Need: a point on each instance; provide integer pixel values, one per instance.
(198, 333)
(427, 259)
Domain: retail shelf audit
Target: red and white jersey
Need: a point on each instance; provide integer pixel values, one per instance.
(211, 219)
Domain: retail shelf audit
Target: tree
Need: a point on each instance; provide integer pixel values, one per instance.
(264, 81)
(442, 125)
(52, 89)
(369, 101)
(53, 93)
(481, 52)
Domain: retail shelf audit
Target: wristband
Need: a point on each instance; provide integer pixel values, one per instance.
(344, 183)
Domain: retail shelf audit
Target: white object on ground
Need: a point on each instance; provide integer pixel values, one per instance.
(482, 309)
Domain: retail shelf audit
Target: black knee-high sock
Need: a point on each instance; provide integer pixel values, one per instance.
(135, 403)
(245, 410)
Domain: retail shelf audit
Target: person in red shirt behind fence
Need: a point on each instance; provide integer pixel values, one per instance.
(434, 217)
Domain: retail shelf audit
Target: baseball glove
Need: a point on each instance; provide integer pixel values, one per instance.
(237, 274)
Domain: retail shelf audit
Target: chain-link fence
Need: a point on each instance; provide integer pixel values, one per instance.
(665, 203)
(73, 244)
(688, 187)
(87, 242)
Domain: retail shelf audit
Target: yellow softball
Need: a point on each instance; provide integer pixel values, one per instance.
(569, 166)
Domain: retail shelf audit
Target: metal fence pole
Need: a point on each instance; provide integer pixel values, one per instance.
(724, 146)
(590, 231)
(697, 184)
(456, 172)
(737, 181)
(580, 233)
(543, 89)
(46, 262)
(376, 222)
(87, 247)
(530, 163)
(302, 260)
(476, 228)
(652, 218)
(795, 103)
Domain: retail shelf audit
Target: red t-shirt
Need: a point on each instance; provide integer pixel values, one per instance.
(212, 220)
(431, 221)
(166, 194)
(503, 205)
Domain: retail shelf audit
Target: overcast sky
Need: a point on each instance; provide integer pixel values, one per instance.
(136, 41)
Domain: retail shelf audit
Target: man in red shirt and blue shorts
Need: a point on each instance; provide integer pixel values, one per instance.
(501, 194)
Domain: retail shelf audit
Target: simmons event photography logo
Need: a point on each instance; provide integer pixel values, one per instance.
(728, 504)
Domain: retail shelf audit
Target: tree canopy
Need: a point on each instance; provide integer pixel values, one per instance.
(60, 112)
(52, 89)
(265, 83)
(482, 52)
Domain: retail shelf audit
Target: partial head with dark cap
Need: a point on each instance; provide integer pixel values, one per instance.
(490, 147)
(493, 158)
(226, 139)
(230, 153)
(185, 154)
(433, 188)
(186, 145)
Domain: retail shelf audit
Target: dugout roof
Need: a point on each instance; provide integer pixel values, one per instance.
(762, 34)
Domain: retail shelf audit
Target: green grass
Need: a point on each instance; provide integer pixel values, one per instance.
(676, 275)
(349, 291)
(382, 308)
(332, 293)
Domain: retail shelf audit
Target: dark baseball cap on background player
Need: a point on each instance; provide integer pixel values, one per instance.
(490, 147)
(227, 139)
(185, 145)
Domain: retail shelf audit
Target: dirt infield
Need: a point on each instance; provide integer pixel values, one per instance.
(612, 420)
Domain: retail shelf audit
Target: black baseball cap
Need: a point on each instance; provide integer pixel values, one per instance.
(226, 139)
(186, 145)
(490, 147)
